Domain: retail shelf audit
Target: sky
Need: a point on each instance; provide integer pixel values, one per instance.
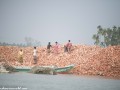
(56, 20)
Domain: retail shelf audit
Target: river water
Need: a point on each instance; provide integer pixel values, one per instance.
(27, 81)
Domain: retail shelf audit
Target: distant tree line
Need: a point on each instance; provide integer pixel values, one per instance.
(107, 36)
(28, 42)
(32, 42)
(13, 44)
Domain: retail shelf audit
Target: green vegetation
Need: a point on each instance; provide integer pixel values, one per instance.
(107, 37)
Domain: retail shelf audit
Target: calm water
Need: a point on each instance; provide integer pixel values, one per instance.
(26, 81)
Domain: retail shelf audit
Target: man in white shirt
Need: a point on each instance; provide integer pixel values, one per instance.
(35, 55)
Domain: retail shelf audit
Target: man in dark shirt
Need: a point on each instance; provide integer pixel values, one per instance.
(48, 47)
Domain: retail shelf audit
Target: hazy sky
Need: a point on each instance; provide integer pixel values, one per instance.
(56, 20)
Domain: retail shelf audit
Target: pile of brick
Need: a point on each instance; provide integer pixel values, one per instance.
(88, 60)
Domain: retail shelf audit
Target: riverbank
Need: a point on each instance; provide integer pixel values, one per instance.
(88, 60)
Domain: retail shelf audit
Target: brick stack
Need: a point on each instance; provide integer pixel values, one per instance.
(88, 60)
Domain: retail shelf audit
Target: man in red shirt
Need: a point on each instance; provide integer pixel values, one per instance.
(69, 45)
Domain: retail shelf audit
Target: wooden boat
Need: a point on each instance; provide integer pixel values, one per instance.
(22, 68)
(57, 69)
(64, 69)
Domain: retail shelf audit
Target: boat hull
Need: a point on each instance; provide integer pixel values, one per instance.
(65, 69)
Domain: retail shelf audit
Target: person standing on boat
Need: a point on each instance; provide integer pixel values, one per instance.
(35, 55)
(20, 56)
(48, 47)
